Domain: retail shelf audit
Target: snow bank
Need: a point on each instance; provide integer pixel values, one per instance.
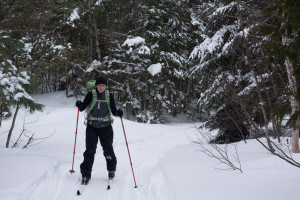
(193, 175)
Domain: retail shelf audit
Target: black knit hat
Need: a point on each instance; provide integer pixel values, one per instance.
(101, 80)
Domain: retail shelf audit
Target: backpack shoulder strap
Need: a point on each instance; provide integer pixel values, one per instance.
(94, 101)
(107, 97)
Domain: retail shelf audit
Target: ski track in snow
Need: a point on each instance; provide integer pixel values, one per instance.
(146, 151)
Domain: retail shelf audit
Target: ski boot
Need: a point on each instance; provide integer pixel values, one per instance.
(85, 180)
(111, 175)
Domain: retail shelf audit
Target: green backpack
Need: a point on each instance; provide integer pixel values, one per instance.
(90, 86)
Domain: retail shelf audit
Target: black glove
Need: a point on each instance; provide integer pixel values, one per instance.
(120, 113)
(78, 104)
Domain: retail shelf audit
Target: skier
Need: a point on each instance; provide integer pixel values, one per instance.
(100, 104)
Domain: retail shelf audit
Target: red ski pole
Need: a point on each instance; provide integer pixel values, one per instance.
(72, 171)
(129, 154)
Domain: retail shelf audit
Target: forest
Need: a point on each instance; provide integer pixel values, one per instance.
(233, 64)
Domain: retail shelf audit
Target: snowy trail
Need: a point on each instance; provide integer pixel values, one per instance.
(147, 147)
(51, 161)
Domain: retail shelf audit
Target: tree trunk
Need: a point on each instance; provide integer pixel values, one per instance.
(91, 34)
(1, 108)
(96, 39)
(294, 105)
(67, 79)
(264, 112)
(135, 16)
(12, 125)
(93, 25)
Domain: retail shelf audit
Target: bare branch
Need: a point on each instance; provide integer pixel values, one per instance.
(218, 152)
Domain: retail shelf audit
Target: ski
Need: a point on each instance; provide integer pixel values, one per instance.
(81, 189)
(109, 183)
(111, 176)
(108, 186)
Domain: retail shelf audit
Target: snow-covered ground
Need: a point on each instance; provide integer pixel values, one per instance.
(167, 165)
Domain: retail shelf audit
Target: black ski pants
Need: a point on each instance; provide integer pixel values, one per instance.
(105, 136)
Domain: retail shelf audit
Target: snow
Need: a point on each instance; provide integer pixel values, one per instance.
(258, 181)
(93, 66)
(167, 165)
(154, 69)
(224, 8)
(173, 56)
(209, 45)
(59, 47)
(28, 47)
(99, 2)
(5, 81)
(133, 41)
(74, 15)
(144, 50)
(22, 80)
(20, 95)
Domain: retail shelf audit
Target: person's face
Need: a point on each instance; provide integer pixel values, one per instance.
(101, 88)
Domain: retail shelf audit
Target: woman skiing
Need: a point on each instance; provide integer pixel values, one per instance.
(100, 104)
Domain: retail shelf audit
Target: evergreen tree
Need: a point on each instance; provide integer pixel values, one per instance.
(239, 85)
(14, 83)
(163, 29)
(284, 44)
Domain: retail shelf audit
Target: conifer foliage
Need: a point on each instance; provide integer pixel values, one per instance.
(241, 82)
(284, 44)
